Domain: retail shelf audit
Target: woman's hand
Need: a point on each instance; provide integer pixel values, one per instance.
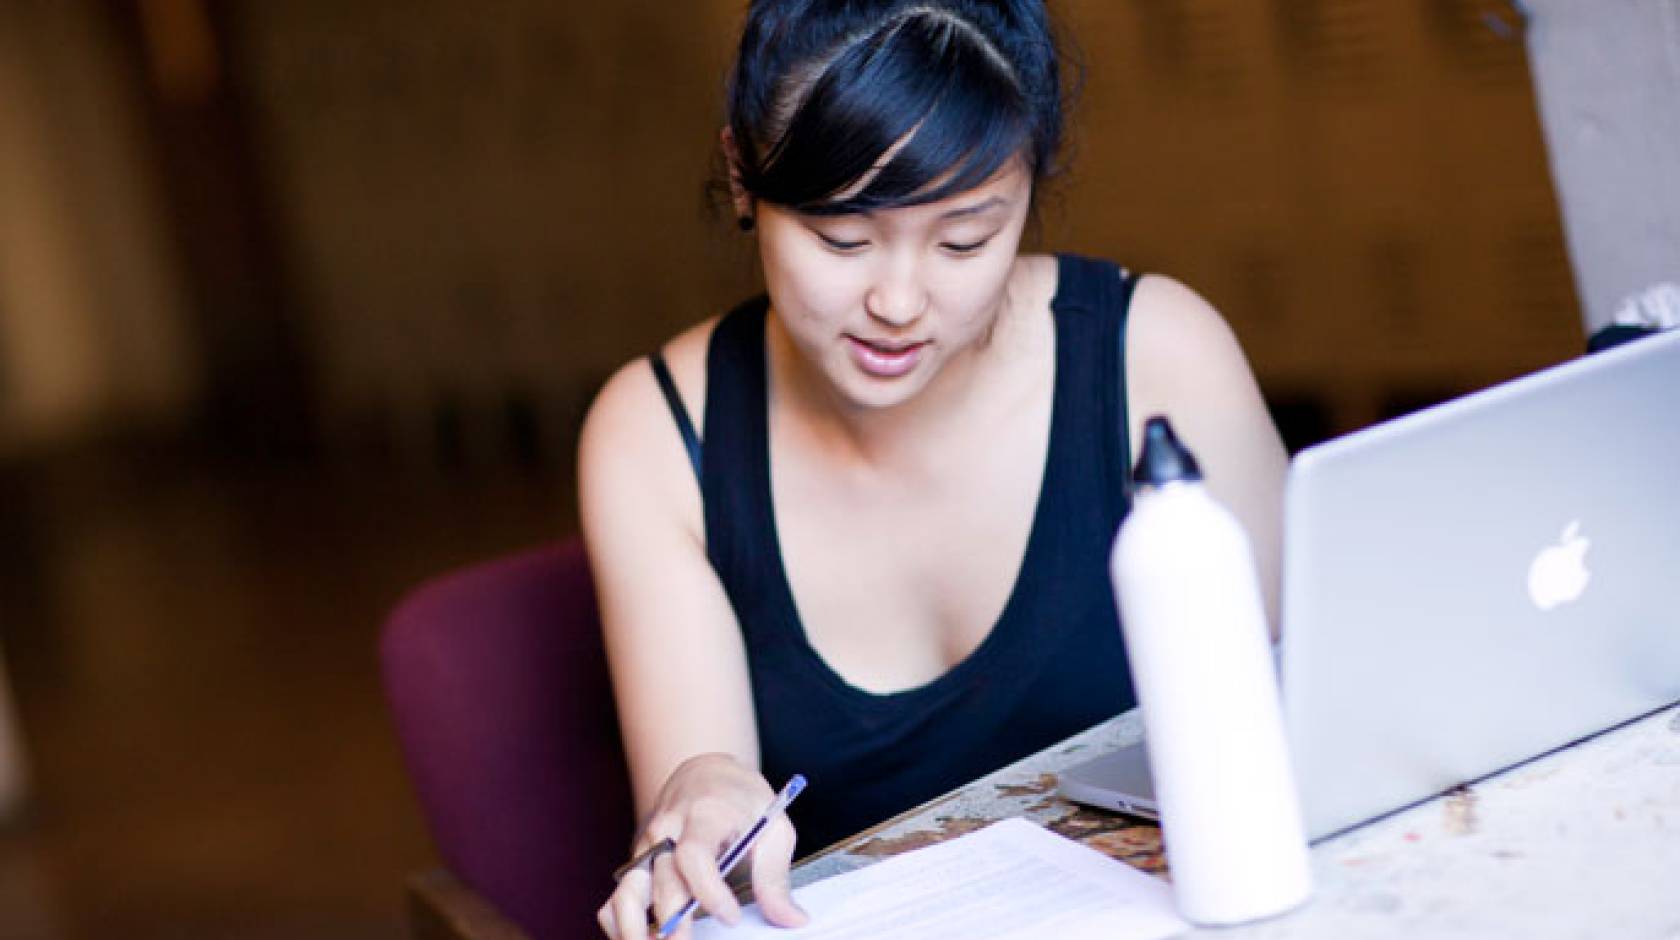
(707, 803)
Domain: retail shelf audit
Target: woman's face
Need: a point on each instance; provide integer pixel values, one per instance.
(879, 302)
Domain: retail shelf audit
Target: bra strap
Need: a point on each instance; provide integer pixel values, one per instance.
(679, 412)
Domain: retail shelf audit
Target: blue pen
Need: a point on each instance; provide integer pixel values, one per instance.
(739, 849)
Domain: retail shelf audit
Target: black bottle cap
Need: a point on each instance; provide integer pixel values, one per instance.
(1164, 459)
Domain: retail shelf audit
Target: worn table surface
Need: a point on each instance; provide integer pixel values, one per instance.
(1584, 842)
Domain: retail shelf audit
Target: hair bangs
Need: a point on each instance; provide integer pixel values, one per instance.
(962, 143)
(909, 115)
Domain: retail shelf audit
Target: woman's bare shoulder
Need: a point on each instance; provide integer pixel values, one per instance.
(630, 404)
(630, 440)
(1175, 338)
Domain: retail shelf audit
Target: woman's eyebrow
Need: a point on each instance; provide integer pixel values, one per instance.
(975, 209)
(957, 213)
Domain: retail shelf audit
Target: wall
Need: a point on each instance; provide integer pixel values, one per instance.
(1359, 185)
(501, 200)
(489, 206)
(476, 211)
(1608, 76)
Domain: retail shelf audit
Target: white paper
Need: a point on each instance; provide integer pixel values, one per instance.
(1011, 880)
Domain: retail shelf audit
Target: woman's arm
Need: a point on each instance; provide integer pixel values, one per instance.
(678, 664)
(1183, 361)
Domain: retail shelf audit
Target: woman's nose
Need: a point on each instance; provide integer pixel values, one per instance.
(897, 297)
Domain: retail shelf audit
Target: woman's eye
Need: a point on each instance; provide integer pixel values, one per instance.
(841, 245)
(965, 248)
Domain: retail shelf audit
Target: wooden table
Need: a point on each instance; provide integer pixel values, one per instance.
(1584, 842)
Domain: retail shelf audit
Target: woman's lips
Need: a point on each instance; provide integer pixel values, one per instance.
(885, 360)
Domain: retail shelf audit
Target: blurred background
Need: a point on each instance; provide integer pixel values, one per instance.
(302, 303)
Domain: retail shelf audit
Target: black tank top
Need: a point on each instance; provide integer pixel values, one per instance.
(1053, 663)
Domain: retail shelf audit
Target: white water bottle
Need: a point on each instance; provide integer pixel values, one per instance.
(1195, 629)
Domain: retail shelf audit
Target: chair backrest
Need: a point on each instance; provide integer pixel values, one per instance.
(498, 686)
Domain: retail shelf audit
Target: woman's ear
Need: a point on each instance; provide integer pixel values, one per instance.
(738, 195)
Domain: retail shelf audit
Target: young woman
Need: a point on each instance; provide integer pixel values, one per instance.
(858, 528)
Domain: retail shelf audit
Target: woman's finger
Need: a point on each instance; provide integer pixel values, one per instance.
(630, 906)
(666, 825)
(605, 918)
(772, 864)
(698, 865)
(670, 892)
(696, 860)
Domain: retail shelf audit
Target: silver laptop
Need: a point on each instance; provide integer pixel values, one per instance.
(1472, 585)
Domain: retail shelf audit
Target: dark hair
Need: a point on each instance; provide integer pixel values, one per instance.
(822, 90)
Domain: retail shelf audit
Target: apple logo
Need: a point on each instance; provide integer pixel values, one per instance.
(1559, 573)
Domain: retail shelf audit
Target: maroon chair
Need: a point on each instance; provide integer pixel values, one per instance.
(497, 682)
